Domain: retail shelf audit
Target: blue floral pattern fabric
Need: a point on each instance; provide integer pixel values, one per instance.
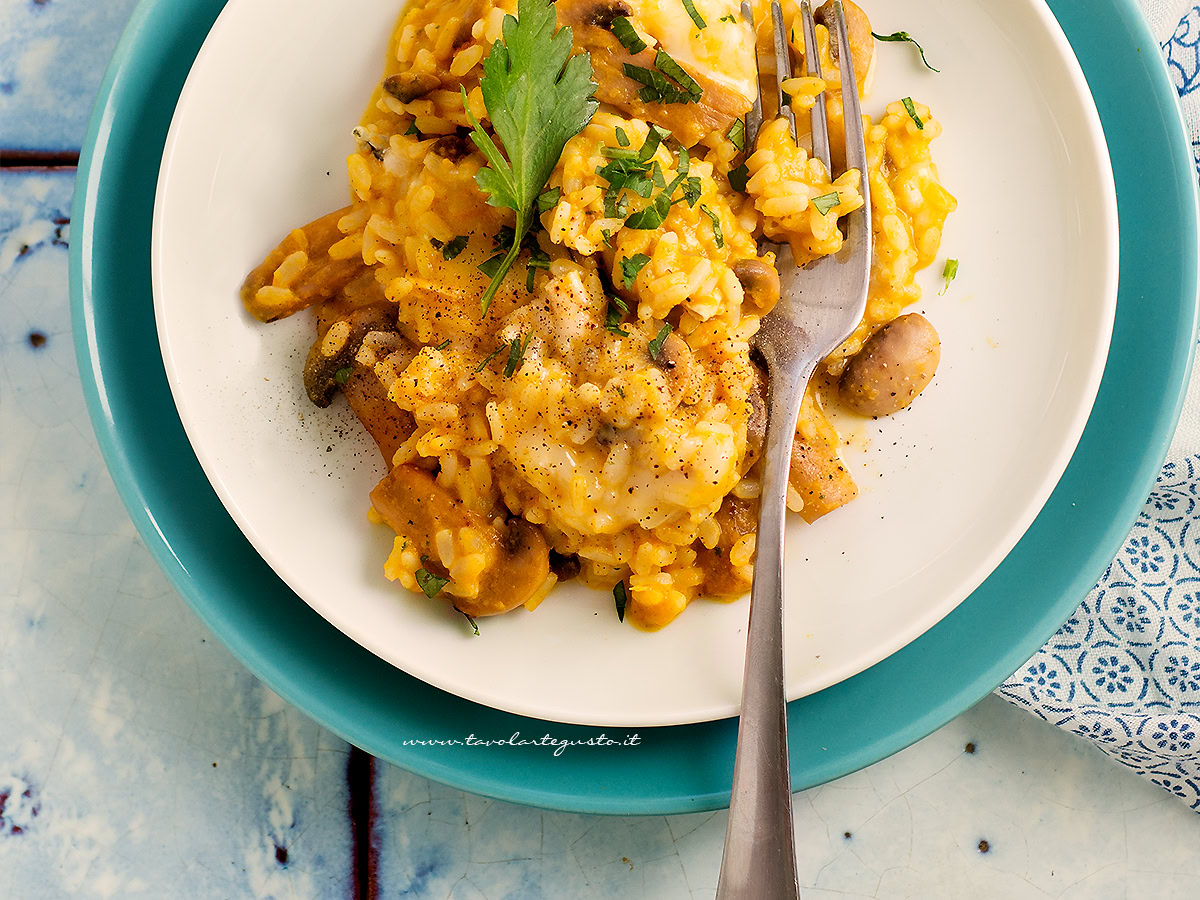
(1124, 671)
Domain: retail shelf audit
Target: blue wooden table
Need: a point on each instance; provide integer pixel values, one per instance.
(139, 759)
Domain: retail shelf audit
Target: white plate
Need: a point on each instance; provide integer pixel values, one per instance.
(258, 145)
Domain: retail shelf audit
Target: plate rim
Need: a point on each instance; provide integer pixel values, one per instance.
(134, 57)
(220, 474)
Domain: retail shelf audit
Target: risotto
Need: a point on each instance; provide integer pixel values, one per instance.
(563, 386)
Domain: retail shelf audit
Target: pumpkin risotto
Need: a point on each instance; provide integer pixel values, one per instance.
(551, 344)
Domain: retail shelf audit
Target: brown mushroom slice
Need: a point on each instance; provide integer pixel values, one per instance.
(515, 558)
(409, 86)
(858, 31)
(895, 364)
(308, 274)
(736, 517)
(388, 424)
(760, 282)
(334, 349)
(817, 473)
(719, 103)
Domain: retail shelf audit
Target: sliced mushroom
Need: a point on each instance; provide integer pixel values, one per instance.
(316, 277)
(895, 364)
(737, 518)
(409, 86)
(453, 147)
(858, 31)
(321, 368)
(516, 558)
(760, 281)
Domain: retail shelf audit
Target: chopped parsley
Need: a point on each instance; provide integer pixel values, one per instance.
(469, 619)
(412, 128)
(737, 133)
(623, 30)
(694, 13)
(538, 96)
(342, 375)
(491, 266)
(454, 247)
(950, 272)
(912, 111)
(656, 345)
(538, 259)
(547, 200)
(667, 82)
(905, 36)
(691, 190)
(621, 598)
(625, 153)
(738, 178)
(516, 351)
(631, 266)
(612, 317)
(428, 582)
(729, 17)
(607, 237)
(622, 137)
(716, 224)
(487, 359)
(826, 202)
(443, 345)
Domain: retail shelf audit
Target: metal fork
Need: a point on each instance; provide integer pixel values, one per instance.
(819, 307)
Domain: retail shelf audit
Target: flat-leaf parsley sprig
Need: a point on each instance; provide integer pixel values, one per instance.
(537, 97)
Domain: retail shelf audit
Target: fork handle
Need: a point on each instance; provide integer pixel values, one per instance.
(759, 860)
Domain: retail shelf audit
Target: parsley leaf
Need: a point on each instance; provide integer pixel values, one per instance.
(621, 597)
(443, 345)
(487, 359)
(537, 97)
(428, 582)
(469, 619)
(342, 375)
(516, 351)
(412, 128)
(738, 178)
(656, 345)
(737, 133)
(622, 137)
(826, 202)
(612, 318)
(905, 36)
(716, 224)
(452, 248)
(631, 266)
(949, 273)
(691, 190)
(694, 13)
(547, 200)
(912, 111)
(675, 71)
(622, 29)
(729, 17)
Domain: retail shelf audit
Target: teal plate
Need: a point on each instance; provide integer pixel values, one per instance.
(682, 768)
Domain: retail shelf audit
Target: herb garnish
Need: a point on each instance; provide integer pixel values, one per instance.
(737, 133)
(905, 36)
(826, 202)
(691, 190)
(547, 200)
(729, 17)
(516, 351)
(738, 178)
(443, 345)
(342, 375)
(621, 597)
(622, 137)
(656, 345)
(631, 266)
(694, 13)
(668, 82)
(537, 97)
(612, 317)
(487, 359)
(428, 582)
(623, 30)
(716, 224)
(949, 273)
(452, 248)
(912, 111)
(412, 128)
(468, 617)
